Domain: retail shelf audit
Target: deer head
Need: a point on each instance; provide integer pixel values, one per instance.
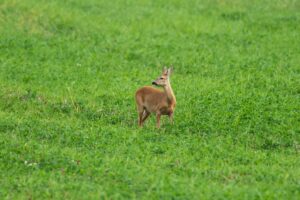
(163, 79)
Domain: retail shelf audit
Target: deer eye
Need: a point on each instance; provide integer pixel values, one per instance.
(161, 78)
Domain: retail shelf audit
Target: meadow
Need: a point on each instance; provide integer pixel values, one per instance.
(68, 122)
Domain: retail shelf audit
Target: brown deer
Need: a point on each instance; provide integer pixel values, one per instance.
(151, 100)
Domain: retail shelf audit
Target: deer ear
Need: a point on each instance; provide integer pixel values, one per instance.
(170, 70)
(165, 70)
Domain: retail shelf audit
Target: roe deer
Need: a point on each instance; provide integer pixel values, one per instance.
(151, 100)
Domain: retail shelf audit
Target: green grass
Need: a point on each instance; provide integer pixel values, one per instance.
(68, 122)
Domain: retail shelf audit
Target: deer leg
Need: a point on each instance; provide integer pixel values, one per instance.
(140, 115)
(171, 118)
(158, 120)
(146, 115)
(140, 119)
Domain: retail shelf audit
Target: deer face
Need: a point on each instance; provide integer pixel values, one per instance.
(163, 79)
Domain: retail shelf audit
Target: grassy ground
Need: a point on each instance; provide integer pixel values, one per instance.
(68, 123)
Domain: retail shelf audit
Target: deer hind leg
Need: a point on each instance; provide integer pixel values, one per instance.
(171, 118)
(158, 120)
(145, 116)
(140, 115)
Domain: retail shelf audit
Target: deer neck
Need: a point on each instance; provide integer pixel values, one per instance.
(170, 94)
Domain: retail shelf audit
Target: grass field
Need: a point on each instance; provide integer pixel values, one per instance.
(68, 123)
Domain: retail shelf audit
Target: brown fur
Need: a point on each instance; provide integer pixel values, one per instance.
(151, 100)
